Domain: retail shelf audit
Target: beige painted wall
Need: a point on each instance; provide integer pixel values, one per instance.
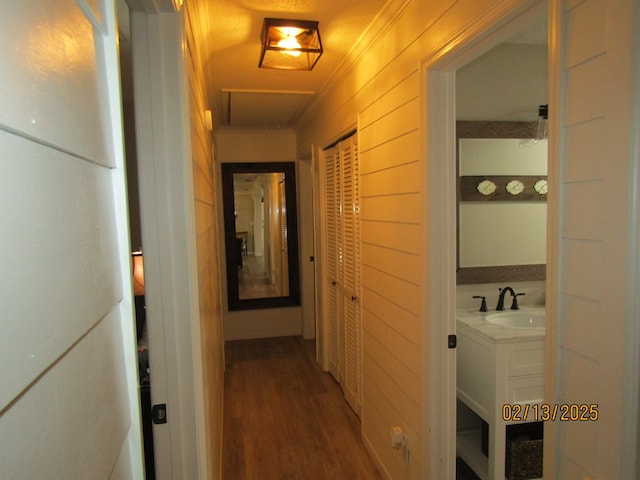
(259, 145)
(504, 232)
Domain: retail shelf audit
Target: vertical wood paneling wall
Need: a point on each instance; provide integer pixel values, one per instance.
(594, 170)
(207, 243)
(68, 382)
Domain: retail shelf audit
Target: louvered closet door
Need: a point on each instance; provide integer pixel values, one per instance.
(351, 272)
(331, 179)
(342, 266)
(339, 287)
(284, 240)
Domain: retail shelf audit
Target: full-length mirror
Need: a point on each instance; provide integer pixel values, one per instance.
(261, 235)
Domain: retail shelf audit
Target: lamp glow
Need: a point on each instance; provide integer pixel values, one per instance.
(290, 44)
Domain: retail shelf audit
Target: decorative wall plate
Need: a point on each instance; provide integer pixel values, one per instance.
(541, 187)
(496, 188)
(486, 187)
(515, 187)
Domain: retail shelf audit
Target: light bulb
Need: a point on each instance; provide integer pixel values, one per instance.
(290, 44)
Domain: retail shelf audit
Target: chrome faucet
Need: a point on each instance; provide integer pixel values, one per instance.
(503, 291)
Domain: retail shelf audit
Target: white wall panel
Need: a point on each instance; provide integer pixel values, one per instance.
(404, 408)
(400, 236)
(397, 208)
(401, 94)
(401, 179)
(583, 335)
(380, 414)
(579, 442)
(585, 84)
(394, 124)
(596, 70)
(399, 349)
(570, 469)
(580, 374)
(399, 290)
(586, 202)
(57, 246)
(386, 155)
(394, 262)
(69, 401)
(392, 315)
(586, 23)
(209, 371)
(50, 77)
(375, 435)
(583, 269)
(585, 151)
(122, 469)
(71, 423)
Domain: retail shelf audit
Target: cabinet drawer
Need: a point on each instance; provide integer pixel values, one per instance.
(528, 389)
(524, 358)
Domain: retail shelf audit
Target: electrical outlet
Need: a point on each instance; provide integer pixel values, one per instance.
(398, 438)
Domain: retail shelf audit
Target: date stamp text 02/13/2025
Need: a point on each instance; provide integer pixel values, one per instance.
(544, 412)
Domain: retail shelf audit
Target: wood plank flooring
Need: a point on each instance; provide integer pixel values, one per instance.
(285, 419)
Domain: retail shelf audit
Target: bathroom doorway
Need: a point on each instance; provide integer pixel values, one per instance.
(441, 104)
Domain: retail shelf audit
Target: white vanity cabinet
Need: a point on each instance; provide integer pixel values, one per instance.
(495, 366)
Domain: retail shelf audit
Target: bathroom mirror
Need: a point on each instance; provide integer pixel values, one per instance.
(261, 235)
(501, 202)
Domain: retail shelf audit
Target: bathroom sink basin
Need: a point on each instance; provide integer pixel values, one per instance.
(517, 319)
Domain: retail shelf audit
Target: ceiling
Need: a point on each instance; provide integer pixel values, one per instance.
(244, 95)
(247, 96)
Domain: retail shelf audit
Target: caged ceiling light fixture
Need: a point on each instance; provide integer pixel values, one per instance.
(290, 44)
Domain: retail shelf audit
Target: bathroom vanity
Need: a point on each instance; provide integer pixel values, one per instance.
(500, 374)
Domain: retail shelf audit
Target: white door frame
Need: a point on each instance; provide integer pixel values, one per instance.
(169, 242)
(306, 234)
(439, 185)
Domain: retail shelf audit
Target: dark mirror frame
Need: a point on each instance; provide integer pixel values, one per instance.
(492, 274)
(289, 171)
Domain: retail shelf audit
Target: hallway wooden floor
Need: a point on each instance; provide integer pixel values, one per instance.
(285, 419)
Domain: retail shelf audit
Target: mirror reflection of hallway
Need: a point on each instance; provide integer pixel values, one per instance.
(261, 249)
(253, 280)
